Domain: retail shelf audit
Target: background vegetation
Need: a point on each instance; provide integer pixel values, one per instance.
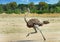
(42, 7)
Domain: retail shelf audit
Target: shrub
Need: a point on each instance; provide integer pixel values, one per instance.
(39, 11)
(17, 11)
(9, 11)
(33, 11)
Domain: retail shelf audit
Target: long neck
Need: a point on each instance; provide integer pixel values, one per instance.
(25, 19)
(28, 11)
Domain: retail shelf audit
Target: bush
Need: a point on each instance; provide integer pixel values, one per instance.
(58, 9)
(9, 11)
(17, 11)
(1, 11)
(39, 11)
(33, 11)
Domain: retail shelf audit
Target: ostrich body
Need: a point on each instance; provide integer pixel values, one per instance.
(35, 23)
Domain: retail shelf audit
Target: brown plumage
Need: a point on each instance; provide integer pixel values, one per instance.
(33, 22)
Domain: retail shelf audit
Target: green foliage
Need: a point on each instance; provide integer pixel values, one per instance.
(33, 10)
(1, 9)
(40, 8)
(39, 11)
(9, 11)
(12, 5)
(17, 11)
(31, 5)
(58, 9)
(58, 4)
(23, 12)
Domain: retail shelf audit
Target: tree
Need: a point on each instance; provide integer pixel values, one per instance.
(52, 8)
(43, 5)
(1, 9)
(12, 5)
(31, 5)
(17, 11)
(58, 4)
(22, 7)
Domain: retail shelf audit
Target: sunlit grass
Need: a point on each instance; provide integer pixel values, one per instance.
(31, 15)
(14, 23)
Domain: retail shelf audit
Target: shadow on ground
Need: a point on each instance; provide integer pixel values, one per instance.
(28, 41)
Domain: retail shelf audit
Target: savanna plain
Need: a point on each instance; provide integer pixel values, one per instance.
(13, 28)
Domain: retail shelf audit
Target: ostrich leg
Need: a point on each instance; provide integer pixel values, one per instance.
(32, 32)
(36, 26)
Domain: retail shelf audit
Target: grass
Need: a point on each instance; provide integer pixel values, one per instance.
(13, 28)
(14, 23)
(31, 15)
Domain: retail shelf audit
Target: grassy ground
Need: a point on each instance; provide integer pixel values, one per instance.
(13, 28)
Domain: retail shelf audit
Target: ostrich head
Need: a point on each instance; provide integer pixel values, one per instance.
(46, 22)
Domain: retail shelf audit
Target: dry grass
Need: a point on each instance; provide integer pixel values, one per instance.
(13, 28)
(31, 15)
(14, 22)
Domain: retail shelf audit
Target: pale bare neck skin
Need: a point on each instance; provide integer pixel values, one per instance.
(25, 19)
(26, 14)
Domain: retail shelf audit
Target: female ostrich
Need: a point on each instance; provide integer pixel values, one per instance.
(35, 23)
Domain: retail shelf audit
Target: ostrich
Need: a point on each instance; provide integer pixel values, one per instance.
(35, 23)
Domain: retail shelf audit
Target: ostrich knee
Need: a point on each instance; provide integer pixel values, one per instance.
(32, 32)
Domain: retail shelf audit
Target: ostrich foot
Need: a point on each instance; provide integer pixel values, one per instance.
(44, 39)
